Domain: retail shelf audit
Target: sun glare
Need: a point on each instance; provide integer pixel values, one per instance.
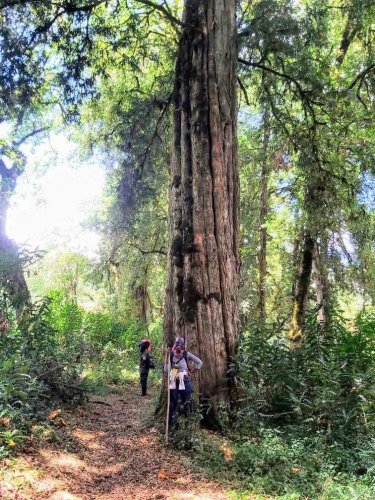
(54, 197)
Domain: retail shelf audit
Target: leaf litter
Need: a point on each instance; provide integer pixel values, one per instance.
(105, 455)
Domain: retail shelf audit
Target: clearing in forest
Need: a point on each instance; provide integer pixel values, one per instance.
(105, 454)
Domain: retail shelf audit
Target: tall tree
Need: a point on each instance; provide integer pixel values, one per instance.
(262, 254)
(316, 95)
(12, 280)
(203, 261)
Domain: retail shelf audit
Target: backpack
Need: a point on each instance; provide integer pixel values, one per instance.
(147, 361)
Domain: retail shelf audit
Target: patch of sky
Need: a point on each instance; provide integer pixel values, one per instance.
(366, 195)
(250, 119)
(54, 198)
(344, 247)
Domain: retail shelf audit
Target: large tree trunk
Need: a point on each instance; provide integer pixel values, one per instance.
(203, 259)
(262, 254)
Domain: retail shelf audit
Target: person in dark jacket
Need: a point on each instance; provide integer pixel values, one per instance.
(145, 363)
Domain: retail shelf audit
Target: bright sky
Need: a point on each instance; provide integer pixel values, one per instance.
(54, 197)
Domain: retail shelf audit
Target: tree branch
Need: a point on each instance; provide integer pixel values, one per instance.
(148, 252)
(4, 171)
(71, 9)
(163, 10)
(360, 76)
(155, 135)
(303, 94)
(244, 91)
(275, 72)
(30, 134)
(64, 8)
(348, 36)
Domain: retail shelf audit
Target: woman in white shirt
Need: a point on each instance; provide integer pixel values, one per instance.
(180, 378)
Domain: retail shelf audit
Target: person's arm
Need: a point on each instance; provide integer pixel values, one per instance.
(147, 361)
(197, 362)
(151, 361)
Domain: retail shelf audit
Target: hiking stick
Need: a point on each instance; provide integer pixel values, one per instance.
(168, 398)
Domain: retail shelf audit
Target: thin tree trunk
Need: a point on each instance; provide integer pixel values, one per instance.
(141, 297)
(203, 259)
(301, 288)
(321, 280)
(262, 254)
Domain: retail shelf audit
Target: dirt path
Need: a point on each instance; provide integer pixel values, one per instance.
(107, 456)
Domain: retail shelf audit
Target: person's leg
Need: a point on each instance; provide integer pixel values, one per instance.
(144, 376)
(186, 398)
(172, 407)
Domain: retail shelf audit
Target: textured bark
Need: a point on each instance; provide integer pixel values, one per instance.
(142, 298)
(203, 260)
(301, 287)
(262, 254)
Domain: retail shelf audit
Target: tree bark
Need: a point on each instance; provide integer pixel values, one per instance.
(203, 258)
(141, 297)
(301, 287)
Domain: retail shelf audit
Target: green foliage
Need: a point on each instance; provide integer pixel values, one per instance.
(305, 423)
(307, 415)
(279, 462)
(326, 383)
(35, 374)
(56, 354)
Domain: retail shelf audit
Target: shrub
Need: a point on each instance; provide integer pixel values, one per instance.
(326, 384)
(307, 413)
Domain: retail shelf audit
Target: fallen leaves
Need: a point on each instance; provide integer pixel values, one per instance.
(227, 452)
(168, 475)
(109, 455)
(295, 470)
(54, 418)
(162, 474)
(54, 414)
(5, 421)
(60, 422)
(182, 480)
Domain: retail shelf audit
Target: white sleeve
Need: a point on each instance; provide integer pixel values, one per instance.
(198, 362)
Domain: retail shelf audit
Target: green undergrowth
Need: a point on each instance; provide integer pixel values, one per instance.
(281, 465)
(305, 422)
(56, 357)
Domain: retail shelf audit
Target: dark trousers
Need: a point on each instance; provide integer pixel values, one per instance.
(185, 400)
(143, 377)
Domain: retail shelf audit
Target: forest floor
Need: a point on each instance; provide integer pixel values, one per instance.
(105, 453)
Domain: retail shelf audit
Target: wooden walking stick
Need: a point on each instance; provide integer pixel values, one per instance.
(168, 396)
